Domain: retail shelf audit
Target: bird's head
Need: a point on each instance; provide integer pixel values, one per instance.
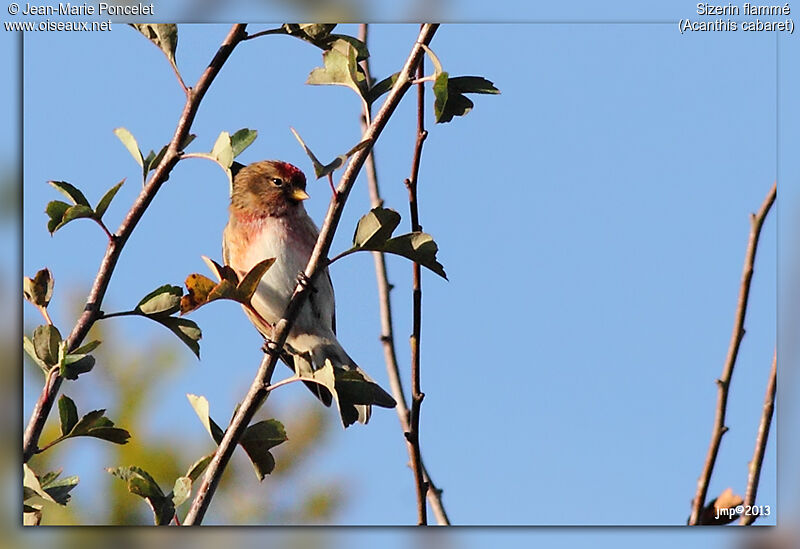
(269, 188)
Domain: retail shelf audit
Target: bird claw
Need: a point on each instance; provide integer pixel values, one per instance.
(304, 281)
(270, 347)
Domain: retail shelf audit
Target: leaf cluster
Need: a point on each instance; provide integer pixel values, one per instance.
(61, 213)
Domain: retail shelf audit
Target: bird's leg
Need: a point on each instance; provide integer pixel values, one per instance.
(303, 280)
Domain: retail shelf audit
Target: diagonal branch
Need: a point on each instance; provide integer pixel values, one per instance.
(91, 311)
(316, 264)
(387, 330)
(723, 383)
(754, 473)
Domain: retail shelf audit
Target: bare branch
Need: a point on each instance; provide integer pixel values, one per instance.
(91, 311)
(316, 264)
(416, 392)
(723, 383)
(387, 330)
(754, 473)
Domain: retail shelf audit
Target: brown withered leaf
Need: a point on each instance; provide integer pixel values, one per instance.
(202, 290)
(722, 509)
(247, 287)
(222, 272)
(39, 289)
(198, 287)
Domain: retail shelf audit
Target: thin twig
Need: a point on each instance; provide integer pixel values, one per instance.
(754, 472)
(45, 314)
(723, 383)
(387, 329)
(103, 316)
(91, 311)
(279, 30)
(316, 264)
(105, 229)
(416, 392)
(186, 90)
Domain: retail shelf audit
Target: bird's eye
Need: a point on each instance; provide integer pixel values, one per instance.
(277, 181)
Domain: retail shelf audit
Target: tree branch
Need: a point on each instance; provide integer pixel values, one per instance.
(387, 330)
(416, 392)
(316, 264)
(754, 473)
(91, 311)
(723, 383)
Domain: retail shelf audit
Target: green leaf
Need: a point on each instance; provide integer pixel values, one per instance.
(55, 210)
(418, 247)
(382, 87)
(223, 150)
(340, 68)
(201, 408)
(111, 434)
(71, 192)
(105, 202)
(199, 466)
(130, 143)
(186, 330)
(165, 36)
(74, 365)
(344, 43)
(142, 484)
(164, 300)
(39, 289)
(311, 32)
(27, 345)
(375, 228)
(58, 489)
(91, 420)
(61, 213)
(241, 140)
(76, 212)
(68, 413)
(79, 361)
(355, 387)
(319, 169)
(472, 84)
(146, 487)
(185, 143)
(258, 439)
(46, 340)
(440, 92)
(86, 349)
(31, 485)
(181, 491)
(450, 99)
(152, 160)
(96, 424)
(374, 232)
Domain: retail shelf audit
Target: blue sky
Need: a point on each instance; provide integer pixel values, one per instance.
(592, 220)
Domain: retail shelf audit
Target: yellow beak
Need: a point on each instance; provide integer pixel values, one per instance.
(299, 194)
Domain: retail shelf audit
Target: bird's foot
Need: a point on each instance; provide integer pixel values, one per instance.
(304, 281)
(270, 347)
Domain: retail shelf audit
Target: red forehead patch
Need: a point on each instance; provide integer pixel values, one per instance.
(288, 171)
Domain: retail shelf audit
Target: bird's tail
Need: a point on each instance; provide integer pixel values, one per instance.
(333, 375)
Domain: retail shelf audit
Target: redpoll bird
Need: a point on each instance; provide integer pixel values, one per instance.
(267, 219)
